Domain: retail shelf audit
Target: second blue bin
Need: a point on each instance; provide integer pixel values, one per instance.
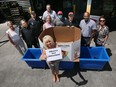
(93, 58)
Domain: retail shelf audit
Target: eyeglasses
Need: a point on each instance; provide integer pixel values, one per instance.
(102, 21)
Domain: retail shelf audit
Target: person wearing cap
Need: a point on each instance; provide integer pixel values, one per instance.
(60, 20)
(35, 24)
(88, 29)
(71, 21)
(50, 12)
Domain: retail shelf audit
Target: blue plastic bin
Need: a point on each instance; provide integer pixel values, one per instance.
(31, 57)
(93, 58)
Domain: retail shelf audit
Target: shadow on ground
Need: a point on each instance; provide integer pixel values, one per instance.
(71, 73)
(109, 51)
(3, 42)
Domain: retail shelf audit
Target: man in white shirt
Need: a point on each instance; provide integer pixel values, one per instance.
(14, 38)
(50, 12)
(88, 29)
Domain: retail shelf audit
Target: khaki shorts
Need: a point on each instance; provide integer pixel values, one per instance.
(54, 65)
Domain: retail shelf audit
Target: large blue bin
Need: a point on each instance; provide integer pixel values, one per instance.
(93, 58)
(32, 58)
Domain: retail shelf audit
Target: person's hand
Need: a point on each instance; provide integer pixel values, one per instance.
(76, 60)
(88, 42)
(103, 44)
(43, 57)
(67, 26)
(72, 26)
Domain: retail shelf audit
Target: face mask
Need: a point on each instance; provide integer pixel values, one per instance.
(60, 16)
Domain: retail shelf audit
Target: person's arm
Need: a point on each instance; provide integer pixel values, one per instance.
(43, 55)
(11, 40)
(94, 29)
(92, 35)
(55, 14)
(105, 39)
(43, 17)
(44, 27)
(80, 24)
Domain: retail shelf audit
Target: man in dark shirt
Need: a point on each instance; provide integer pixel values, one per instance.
(71, 21)
(35, 24)
(26, 33)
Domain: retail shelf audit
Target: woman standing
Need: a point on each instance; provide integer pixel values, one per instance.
(102, 33)
(14, 37)
(49, 43)
(48, 22)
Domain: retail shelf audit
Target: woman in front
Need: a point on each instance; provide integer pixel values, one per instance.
(102, 33)
(49, 43)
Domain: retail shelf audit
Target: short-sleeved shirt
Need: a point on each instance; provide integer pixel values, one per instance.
(59, 22)
(14, 34)
(52, 14)
(101, 34)
(87, 27)
(47, 25)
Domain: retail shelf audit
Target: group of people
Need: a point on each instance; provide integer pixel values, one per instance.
(30, 31)
(89, 28)
(52, 19)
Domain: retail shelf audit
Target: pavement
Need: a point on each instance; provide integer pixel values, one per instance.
(16, 73)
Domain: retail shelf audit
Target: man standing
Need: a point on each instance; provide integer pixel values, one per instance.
(26, 33)
(88, 29)
(14, 37)
(60, 20)
(71, 20)
(35, 25)
(50, 12)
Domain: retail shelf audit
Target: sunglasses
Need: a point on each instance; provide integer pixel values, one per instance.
(102, 20)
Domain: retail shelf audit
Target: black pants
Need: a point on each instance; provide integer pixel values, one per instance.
(35, 42)
(84, 41)
(32, 42)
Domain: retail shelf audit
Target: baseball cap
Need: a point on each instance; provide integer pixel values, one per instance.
(59, 13)
(70, 13)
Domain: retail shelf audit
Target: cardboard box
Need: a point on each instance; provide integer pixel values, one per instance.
(68, 38)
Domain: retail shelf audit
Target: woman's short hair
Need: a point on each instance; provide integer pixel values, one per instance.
(102, 17)
(48, 16)
(9, 22)
(23, 20)
(47, 38)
